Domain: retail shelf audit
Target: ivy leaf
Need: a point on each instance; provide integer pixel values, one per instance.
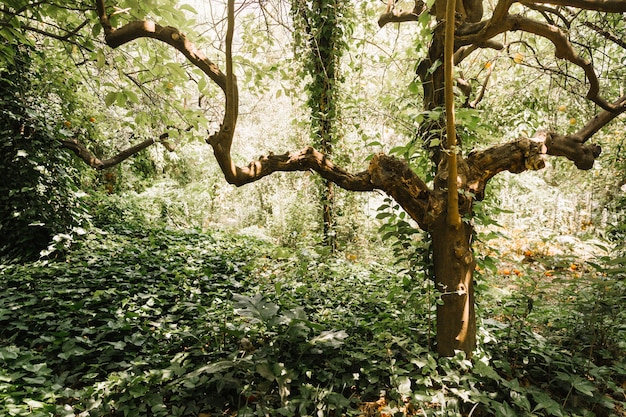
(330, 338)
(505, 410)
(189, 8)
(256, 307)
(544, 402)
(110, 98)
(40, 380)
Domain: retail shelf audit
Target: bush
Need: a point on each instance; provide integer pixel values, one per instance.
(39, 192)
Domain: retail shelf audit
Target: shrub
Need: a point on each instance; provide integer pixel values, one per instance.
(39, 192)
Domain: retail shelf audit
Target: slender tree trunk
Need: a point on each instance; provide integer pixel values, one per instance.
(328, 215)
(322, 21)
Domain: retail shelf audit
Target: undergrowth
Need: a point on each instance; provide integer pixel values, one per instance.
(168, 323)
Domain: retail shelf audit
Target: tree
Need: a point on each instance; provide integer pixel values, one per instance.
(322, 25)
(433, 207)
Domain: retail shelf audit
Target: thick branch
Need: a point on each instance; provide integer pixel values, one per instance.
(307, 159)
(609, 6)
(573, 148)
(601, 119)
(393, 16)
(527, 154)
(454, 218)
(480, 33)
(93, 161)
(564, 50)
(222, 141)
(466, 51)
(397, 179)
(517, 156)
(116, 37)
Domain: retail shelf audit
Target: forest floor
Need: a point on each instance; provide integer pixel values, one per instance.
(184, 323)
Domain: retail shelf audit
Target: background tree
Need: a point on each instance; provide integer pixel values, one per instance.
(321, 28)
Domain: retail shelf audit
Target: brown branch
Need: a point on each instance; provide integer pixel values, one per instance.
(466, 51)
(393, 16)
(516, 156)
(131, 31)
(530, 153)
(222, 141)
(601, 119)
(93, 161)
(307, 159)
(481, 32)
(483, 87)
(573, 148)
(606, 34)
(609, 6)
(546, 11)
(564, 50)
(397, 179)
(453, 216)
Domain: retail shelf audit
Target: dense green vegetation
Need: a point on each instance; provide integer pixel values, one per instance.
(165, 322)
(154, 288)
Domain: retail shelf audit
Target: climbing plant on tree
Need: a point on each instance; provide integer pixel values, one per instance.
(320, 35)
(432, 205)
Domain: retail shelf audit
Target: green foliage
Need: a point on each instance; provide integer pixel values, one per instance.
(158, 322)
(40, 189)
(321, 35)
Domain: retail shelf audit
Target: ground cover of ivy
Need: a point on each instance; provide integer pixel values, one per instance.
(184, 323)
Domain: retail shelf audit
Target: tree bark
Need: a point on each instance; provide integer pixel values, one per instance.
(453, 268)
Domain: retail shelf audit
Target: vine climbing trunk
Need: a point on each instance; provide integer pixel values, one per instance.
(323, 24)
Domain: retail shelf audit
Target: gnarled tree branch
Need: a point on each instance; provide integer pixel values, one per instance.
(484, 31)
(609, 6)
(116, 37)
(394, 16)
(93, 161)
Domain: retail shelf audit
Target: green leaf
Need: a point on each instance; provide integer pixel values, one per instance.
(110, 98)
(8, 352)
(131, 96)
(505, 410)
(487, 371)
(585, 387)
(544, 402)
(210, 369)
(331, 338)
(256, 307)
(119, 345)
(188, 8)
(33, 403)
(40, 380)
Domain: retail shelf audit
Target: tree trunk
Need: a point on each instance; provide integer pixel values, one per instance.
(323, 23)
(328, 215)
(453, 268)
